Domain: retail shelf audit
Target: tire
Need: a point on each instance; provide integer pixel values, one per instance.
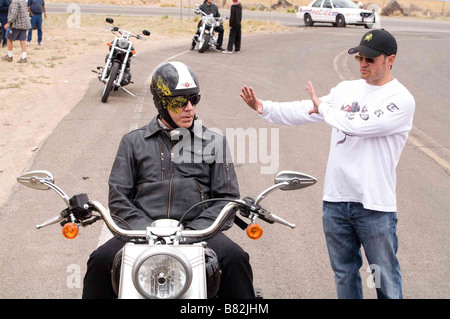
(308, 20)
(340, 21)
(110, 84)
(204, 43)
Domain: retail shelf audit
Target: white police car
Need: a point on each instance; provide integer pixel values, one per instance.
(338, 12)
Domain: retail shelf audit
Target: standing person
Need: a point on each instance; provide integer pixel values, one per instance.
(209, 7)
(4, 6)
(149, 181)
(36, 9)
(16, 27)
(371, 119)
(235, 28)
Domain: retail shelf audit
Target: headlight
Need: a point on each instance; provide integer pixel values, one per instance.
(123, 43)
(162, 272)
(211, 21)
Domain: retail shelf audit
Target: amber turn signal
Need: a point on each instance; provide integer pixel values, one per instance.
(70, 230)
(254, 231)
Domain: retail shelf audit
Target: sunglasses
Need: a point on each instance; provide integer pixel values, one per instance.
(361, 58)
(180, 101)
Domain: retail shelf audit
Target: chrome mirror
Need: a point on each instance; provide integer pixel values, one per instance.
(287, 181)
(37, 179)
(42, 180)
(294, 180)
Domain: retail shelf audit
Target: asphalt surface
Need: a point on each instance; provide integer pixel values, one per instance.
(287, 264)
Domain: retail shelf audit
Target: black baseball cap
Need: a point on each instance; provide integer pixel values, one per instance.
(375, 43)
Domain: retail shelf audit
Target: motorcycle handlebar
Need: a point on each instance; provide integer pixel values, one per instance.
(220, 220)
(116, 29)
(224, 214)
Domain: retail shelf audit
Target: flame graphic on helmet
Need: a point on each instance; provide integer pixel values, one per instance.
(167, 101)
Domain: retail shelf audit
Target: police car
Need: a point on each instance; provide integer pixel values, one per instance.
(338, 12)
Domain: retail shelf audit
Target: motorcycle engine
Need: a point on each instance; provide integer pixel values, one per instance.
(126, 79)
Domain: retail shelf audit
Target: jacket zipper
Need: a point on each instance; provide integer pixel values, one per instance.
(170, 184)
(162, 160)
(228, 176)
(161, 149)
(202, 195)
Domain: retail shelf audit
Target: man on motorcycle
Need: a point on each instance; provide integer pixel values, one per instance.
(149, 181)
(210, 8)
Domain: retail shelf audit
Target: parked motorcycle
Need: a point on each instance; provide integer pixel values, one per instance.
(116, 72)
(206, 37)
(165, 260)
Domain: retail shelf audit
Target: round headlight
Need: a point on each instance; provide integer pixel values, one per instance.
(162, 272)
(211, 21)
(123, 43)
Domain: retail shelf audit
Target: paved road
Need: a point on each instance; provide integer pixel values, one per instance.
(287, 263)
(184, 13)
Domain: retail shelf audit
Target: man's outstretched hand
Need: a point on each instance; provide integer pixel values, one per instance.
(249, 97)
(316, 101)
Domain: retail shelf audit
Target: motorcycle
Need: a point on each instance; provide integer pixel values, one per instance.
(116, 72)
(206, 37)
(165, 260)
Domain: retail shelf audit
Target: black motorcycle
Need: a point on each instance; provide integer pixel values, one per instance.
(116, 72)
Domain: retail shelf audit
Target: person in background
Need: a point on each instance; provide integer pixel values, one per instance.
(16, 27)
(36, 9)
(210, 8)
(235, 28)
(4, 6)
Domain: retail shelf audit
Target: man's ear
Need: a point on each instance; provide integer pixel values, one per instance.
(391, 60)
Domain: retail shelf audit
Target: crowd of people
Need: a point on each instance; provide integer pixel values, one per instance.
(17, 18)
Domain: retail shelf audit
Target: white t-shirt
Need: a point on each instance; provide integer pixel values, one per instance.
(370, 128)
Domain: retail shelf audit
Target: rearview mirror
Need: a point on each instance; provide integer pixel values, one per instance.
(294, 180)
(287, 181)
(146, 32)
(37, 179)
(110, 20)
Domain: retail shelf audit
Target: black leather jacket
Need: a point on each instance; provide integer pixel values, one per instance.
(210, 9)
(155, 176)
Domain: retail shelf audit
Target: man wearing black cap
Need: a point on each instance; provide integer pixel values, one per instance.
(371, 119)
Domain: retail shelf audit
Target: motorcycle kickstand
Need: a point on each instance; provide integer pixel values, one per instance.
(125, 90)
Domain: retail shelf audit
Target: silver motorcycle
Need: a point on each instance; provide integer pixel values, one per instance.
(206, 37)
(116, 72)
(165, 261)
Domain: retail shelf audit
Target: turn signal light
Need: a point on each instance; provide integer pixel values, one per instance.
(108, 44)
(254, 231)
(70, 230)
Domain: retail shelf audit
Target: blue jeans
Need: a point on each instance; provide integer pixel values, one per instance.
(3, 21)
(349, 225)
(36, 21)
